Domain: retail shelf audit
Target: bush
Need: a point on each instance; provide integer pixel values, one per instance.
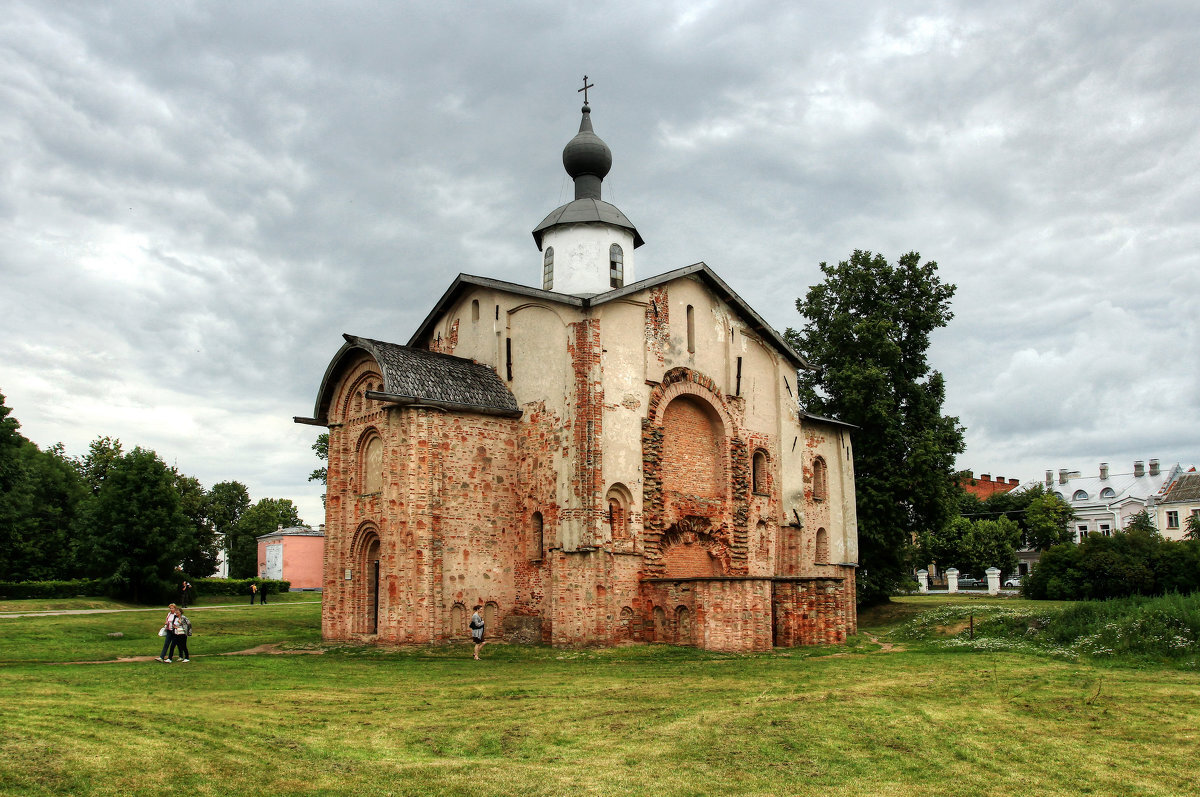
(1128, 563)
(98, 587)
(77, 588)
(238, 586)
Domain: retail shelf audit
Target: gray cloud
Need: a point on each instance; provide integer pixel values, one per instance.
(197, 199)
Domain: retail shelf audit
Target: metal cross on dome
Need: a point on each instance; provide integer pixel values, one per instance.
(585, 88)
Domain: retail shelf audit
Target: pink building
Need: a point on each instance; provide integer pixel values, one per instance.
(294, 554)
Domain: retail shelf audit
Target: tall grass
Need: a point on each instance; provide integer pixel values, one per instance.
(1124, 631)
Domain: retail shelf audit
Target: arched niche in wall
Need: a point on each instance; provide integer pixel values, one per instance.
(369, 456)
(694, 448)
(537, 537)
(821, 555)
(617, 503)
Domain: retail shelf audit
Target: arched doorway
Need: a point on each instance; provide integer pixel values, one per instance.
(366, 591)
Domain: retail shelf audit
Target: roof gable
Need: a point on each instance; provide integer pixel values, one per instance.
(464, 282)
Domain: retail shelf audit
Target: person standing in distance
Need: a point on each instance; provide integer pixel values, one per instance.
(477, 627)
(253, 592)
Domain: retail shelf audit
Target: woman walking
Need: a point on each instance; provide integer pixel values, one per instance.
(166, 633)
(181, 628)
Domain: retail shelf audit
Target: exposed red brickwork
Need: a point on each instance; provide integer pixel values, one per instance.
(587, 481)
(451, 521)
(812, 611)
(658, 324)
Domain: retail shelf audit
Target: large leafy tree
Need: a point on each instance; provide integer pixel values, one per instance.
(103, 454)
(134, 533)
(227, 501)
(40, 494)
(1047, 519)
(973, 546)
(201, 560)
(867, 329)
(262, 518)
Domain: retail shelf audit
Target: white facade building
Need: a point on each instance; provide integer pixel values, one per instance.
(1104, 503)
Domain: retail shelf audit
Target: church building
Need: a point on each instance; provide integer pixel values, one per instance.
(599, 460)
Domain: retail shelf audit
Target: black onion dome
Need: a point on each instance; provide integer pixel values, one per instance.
(586, 156)
(587, 159)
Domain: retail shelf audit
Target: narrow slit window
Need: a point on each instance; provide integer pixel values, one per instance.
(616, 266)
(691, 329)
(548, 270)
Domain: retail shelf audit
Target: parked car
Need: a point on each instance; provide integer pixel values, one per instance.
(1012, 581)
(970, 582)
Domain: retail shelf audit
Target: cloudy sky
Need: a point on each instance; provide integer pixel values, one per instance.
(197, 199)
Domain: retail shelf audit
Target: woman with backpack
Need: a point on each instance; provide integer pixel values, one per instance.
(180, 629)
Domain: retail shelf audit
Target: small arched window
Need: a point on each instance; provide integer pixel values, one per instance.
(821, 554)
(1108, 492)
(548, 269)
(1080, 495)
(616, 266)
(535, 537)
(820, 480)
(760, 476)
(474, 309)
(691, 329)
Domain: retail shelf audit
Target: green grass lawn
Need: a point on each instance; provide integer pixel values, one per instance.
(655, 720)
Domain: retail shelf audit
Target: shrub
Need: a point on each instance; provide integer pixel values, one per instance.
(1133, 562)
(80, 587)
(237, 586)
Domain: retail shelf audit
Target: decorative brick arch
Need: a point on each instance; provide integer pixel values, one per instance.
(676, 493)
(685, 381)
(692, 549)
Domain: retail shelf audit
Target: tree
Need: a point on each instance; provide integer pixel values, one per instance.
(322, 449)
(226, 503)
(1142, 522)
(973, 546)
(40, 494)
(201, 560)
(1192, 524)
(867, 332)
(133, 532)
(262, 518)
(1047, 520)
(103, 453)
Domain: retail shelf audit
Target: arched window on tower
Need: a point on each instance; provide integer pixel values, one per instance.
(548, 270)
(820, 490)
(616, 266)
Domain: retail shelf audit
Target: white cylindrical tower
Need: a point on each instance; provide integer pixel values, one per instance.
(587, 244)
